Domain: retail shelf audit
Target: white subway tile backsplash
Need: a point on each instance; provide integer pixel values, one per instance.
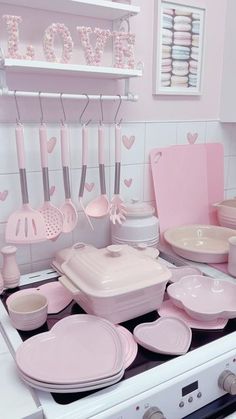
(8, 160)
(217, 132)
(99, 237)
(10, 195)
(159, 135)
(47, 249)
(231, 174)
(190, 131)
(136, 178)
(131, 182)
(23, 254)
(132, 143)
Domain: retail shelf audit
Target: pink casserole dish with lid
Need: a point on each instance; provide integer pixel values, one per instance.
(118, 282)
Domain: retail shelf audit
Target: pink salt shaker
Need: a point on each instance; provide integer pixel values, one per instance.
(10, 269)
(232, 256)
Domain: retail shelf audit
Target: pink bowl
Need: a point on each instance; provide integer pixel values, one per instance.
(204, 298)
(28, 311)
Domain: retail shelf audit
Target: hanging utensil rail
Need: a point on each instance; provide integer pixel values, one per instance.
(129, 97)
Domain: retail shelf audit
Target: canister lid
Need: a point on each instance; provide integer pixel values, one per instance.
(136, 208)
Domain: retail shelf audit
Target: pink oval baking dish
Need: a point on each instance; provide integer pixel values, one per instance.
(204, 298)
(200, 243)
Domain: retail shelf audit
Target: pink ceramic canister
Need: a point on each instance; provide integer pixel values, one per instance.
(10, 269)
(232, 256)
(141, 225)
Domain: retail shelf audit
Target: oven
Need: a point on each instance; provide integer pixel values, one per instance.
(155, 386)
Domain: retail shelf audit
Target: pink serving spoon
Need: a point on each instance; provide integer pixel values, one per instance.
(99, 207)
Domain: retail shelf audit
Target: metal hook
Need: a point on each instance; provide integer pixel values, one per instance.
(17, 109)
(63, 109)
(115, 118)
(101, 121)
(87, 103)
(41, 108)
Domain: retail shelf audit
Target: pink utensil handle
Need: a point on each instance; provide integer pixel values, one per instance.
(84, 145)
(43, 145)
(19, 131)
(101, 145)
(64, 146)
(118, 143)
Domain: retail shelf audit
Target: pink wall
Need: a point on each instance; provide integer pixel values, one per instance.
(175, 107)
(148, 107)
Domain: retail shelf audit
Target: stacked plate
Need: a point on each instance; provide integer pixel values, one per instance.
(80, 353)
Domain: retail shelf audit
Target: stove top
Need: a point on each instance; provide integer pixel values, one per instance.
(145, 359)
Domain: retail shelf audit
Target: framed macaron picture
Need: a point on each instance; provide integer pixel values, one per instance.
(178, 48)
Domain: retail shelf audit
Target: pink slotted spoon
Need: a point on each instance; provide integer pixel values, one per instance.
(68, 209)
(53, 217)
(25, 225)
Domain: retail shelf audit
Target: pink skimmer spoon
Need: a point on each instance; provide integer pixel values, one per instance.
(53, 217)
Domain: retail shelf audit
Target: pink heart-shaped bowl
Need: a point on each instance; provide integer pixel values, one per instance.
(167, 335)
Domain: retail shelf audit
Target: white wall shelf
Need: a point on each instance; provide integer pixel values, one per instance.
(45, 67)
(101, 9)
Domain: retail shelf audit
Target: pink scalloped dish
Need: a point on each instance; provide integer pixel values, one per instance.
(204, 298)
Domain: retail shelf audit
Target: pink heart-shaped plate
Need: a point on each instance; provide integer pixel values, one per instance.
(71, 344)
(167, 335)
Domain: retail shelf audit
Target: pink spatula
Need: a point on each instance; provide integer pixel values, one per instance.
(25, 225)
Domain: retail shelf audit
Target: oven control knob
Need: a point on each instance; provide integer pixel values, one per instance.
(153, 413)
(227, 381)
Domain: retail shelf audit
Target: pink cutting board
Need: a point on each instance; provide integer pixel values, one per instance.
(187, 179)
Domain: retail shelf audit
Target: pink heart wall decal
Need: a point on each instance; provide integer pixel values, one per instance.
(51, 144)
(128, 182)
(192, 138)
(3, 195)
(89, 186)
(52, 190)
(128, 141)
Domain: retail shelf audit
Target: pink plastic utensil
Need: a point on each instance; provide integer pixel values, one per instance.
(70, 214)
(52, 216)
(99, 207)
(117, 208)
(84, 170)
(25, 225)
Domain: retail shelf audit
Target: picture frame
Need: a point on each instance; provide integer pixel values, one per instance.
(179, 31)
